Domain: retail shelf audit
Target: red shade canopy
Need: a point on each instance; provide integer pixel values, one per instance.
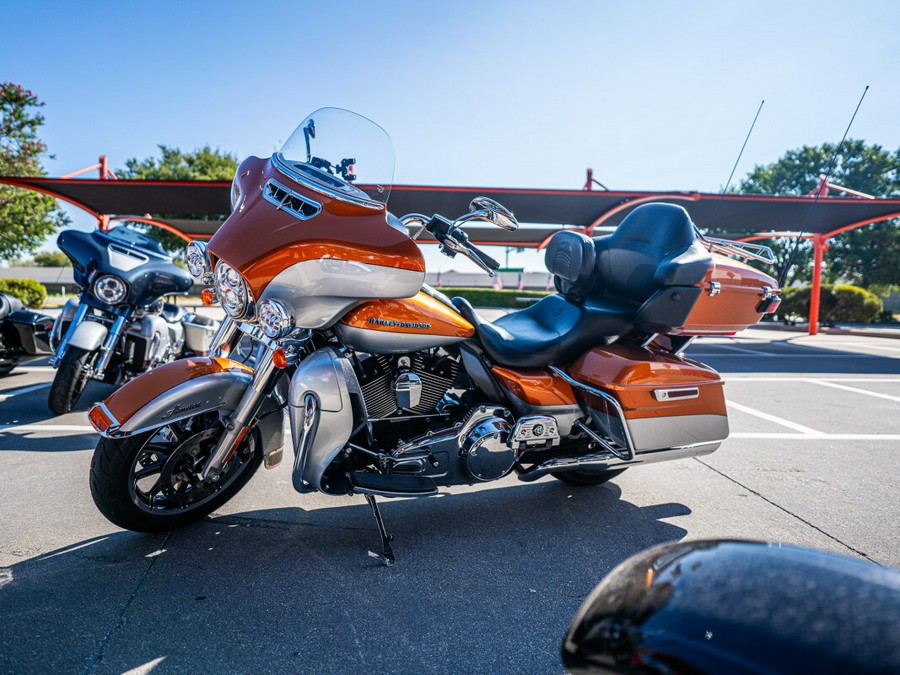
(173, 202)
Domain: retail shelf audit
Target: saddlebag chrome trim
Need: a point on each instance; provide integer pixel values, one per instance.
(606, 397)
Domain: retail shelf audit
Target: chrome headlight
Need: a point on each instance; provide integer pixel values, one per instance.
(198, 262)
(234, 295)
(275, 319)
(111, 290)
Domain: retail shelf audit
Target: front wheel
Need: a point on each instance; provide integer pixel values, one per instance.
(587, 476)
(70, 380)
(150, 483)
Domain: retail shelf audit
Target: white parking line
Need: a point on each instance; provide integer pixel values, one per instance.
(56, 428)
(33, 369)
(848, 355)
(23, 390)
(808, 437)
(742, 350)
(856, 390)
(789, 378)
(777, 420)
(866, 345)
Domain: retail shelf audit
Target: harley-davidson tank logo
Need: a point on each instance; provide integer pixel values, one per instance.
(390, 323)
(178, 409)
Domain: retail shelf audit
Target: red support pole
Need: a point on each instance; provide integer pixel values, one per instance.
(103, 223)
(588, 185)
(819, 246)
(104, 169)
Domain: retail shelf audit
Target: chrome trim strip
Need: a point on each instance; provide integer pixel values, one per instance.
(282, 205)
(602, 394)
(304, 443)
(679, 394)
(283, 167)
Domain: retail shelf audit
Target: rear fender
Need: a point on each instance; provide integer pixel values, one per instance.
(182, 389)
(88, 335)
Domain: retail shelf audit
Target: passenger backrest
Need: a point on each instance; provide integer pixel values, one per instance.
(571, 257)
(628, 260)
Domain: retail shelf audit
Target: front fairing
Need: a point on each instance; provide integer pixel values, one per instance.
(148, 272)
(322, 265)
(260, 240)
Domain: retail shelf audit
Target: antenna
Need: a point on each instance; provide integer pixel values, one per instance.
(742, 249)
(837, 150)
(741, 153)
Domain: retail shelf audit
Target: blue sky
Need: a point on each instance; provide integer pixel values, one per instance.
(651, 95)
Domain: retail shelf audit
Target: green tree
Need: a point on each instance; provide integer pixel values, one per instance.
(52, 259)
(27, 218)
(865, 256)
(173, 164)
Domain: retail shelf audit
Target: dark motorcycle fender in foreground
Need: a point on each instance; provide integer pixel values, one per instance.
(187, 388)
(738, 607)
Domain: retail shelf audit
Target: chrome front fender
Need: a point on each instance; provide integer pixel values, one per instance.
(321, 414)
(88, 335)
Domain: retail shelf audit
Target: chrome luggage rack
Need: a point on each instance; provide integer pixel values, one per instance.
(742, 249)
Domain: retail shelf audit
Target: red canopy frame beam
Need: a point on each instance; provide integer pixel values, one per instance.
(820, 245)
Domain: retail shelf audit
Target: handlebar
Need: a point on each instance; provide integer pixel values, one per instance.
(452, 240)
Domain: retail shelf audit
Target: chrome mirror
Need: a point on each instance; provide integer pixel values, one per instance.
(493, 212)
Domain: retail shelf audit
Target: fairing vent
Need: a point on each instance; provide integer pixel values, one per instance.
(286, 199)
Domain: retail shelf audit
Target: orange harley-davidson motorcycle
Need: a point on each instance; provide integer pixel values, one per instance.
(391, 388)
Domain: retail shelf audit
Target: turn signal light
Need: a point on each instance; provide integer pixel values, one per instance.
(207, 297)
(99, 419)
(279, 359)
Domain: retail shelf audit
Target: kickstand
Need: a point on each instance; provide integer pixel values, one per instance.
(387, 555)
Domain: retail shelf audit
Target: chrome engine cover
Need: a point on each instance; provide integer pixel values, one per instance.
(484, 444)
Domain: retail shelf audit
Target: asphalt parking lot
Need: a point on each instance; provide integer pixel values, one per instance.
(487, 578)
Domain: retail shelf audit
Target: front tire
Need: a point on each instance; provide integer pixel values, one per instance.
(148, 482)
(585, 477)
(70, 380)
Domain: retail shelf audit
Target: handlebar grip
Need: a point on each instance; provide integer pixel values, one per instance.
(484, 257)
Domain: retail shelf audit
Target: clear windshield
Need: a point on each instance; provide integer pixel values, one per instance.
(130, 236)
(342, 153)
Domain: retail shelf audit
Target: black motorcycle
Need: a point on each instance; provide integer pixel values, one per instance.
(120, 326)
(24, 333)
(741, 607)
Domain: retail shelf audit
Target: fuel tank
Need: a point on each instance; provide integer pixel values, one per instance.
(398, 326)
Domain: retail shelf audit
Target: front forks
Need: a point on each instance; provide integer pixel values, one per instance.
(238, 423)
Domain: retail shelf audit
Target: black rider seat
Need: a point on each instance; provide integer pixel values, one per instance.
(551, 330)
(608, 287)
(8, 304)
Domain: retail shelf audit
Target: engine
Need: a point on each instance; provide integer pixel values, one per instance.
(412, 383)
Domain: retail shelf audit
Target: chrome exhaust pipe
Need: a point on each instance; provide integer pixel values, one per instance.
(608, 460)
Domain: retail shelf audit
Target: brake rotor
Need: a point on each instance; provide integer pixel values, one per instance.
(180, 475)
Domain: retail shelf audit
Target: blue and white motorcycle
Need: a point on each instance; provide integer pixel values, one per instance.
(120, 326)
